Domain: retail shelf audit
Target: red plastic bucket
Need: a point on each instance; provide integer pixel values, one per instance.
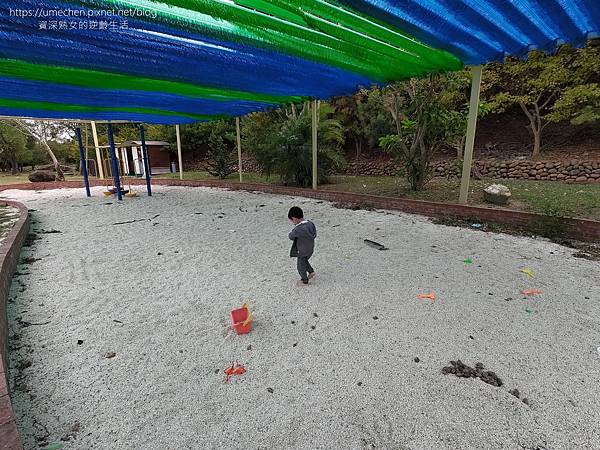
(238, 320)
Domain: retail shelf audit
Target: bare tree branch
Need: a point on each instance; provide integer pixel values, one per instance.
(38, 130)
(548, 100)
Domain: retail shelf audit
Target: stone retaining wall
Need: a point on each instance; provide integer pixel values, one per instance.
(372, 167)
(10, 249)
(249, 165)
(571, 171)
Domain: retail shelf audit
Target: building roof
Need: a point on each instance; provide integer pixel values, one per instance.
(177, 61)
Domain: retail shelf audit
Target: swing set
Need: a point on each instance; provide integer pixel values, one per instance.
(113, 166)
(121, 171)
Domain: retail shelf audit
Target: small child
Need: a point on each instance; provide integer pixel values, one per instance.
(303, 235)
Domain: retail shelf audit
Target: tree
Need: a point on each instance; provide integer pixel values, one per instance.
(260, 137)
(13, 146)
(579, 105)
(131, 132)
(373, 119)
(281, 142)
(424, 114)
(35, 154)
(364, 118)
(221, 142)
(44, 132)
(216, 139)
(194, 138)
(546, 88)
(66, 151)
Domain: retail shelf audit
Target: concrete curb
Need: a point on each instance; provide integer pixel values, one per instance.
(10, 250)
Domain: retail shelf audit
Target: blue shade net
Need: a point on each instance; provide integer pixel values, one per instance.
(481, 31)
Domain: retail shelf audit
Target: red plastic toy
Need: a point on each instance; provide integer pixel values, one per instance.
(241, 319)
(531, 292)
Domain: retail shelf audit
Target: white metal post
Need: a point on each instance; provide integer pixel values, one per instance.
(314, 145)
(239, 145)
(98, 155)
(179, 152)
(470, 138)
(125, 161)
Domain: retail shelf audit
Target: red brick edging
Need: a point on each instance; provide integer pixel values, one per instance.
(580, 229)
(10, 249)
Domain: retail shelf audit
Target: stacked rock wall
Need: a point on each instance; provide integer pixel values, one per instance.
(571, 171)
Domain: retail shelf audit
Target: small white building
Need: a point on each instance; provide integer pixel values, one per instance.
(160, 159)
(130, 157)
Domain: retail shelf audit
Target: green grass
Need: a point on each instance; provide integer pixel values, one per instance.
(13, 179)
(387, 186)
(559, 199)
(546, 197)
(6, 179)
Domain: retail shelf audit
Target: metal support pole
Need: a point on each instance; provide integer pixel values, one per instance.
(84, 172)
(146, 165)
(179, 152)
(98, 155)
(239, 145)
(470, 138)
(114, 163)
(314, 145)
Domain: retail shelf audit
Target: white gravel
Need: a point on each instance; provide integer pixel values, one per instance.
(8, 217)
(350, 383)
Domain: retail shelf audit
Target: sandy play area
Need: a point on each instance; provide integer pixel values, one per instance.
(352, 361)
(8, 217)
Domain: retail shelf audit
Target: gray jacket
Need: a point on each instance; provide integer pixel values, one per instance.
(303, 235)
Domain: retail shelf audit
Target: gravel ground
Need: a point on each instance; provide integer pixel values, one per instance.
(329, 366)
(8, 217)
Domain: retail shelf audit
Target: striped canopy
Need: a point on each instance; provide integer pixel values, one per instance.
(178, 61)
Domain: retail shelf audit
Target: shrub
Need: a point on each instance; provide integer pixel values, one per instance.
(281, 142)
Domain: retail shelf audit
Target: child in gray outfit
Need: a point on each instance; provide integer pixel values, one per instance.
(303, 235)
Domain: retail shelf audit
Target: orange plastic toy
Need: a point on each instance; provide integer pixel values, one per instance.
(427, 296)
(241, 319)
(234, 369)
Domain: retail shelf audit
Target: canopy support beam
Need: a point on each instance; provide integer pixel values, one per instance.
(314, 145)
(145, 158)
(179, 158)
(114, 162)
(470, 138)
(98, 154)
(239, 145)
(84, 172)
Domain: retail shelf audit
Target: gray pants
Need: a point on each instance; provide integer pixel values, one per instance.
(304, 268)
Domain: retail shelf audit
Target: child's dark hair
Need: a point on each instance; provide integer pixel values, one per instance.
(295, 212)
